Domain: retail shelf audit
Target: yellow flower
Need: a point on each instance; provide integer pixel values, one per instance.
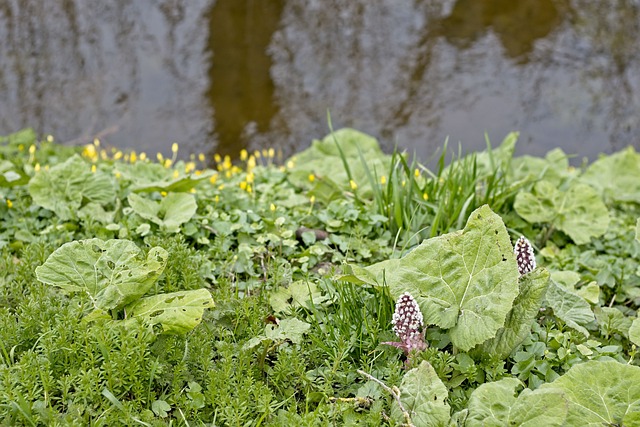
(201, 157)
(221, 187)
(243, 154)
(216, 199)
(383, 180)
(425, 196)
(290, 164)
(272, 207)
(189, 167)
(89, 152)
(243, 185)
(404, 182)
(9, 204)
(96, 142)
(37, 167)
(217, 158)
(416, 172)
(193, 190)
(213, 178)
(312, 199)
(256, 154)
(143, 156)
(271, 152)
(168, 163)
(118, 175)
(312, 177)
(174, 147)
(176, 173)
(93, 168)
(353, 185)
(251, 163)
(160, 157)
(32, 149)
(133, 157)
(49, 138)
(265, 153)
(249, 189)
(227, 162)
(163, 193)
(250, 177)
(118, 155)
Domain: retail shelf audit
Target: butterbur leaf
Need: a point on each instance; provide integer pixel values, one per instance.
(518, 324)
(600, 393)
(176, 312)
(169, 213)
(569, 307)
(464, 281)
(617, 176)
(113, 272)
(524, 255)
(579, 211)
(496, 404)
(424, 397)
(148, 177)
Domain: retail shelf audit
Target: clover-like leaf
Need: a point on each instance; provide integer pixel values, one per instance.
(177, 312)
(64, 188)
(579, 211)
(464, 281)
(600, 393)
(113, 273)
(496, 404)
(169, 213)
(424, 397)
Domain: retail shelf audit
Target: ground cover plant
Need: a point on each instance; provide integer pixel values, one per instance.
(341, 286)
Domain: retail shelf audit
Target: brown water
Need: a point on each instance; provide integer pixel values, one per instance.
(218, 76)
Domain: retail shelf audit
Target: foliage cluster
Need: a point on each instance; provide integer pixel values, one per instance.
(138, 292)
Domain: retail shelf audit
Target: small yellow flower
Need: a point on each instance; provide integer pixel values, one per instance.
(163, 193)
(93, 168)
(256, 154)
(37, 167)
(251, 163)
(118, 175)
(227, 174)
(189, 167)
(21, 147)
(227, 162)
(290, 164)
(176, 173)
(383, 180)
(312, 177)
(49, 138)
(243, 155)
(213, 178)
(217, 158)
(96, 142)
(272, 207)
(265, 153)
(192, 191)
(118, 155)
(250, 177)
(9, 204)
(282, 169)
(353, 185)
(168, 163)
(216, 199)
(143, 156)
(249, 189)
(133, 157)
(312, 199)
(32, 149)
(201, 157)
(416, 173)
(425, 196)
(174, 147)
(160, 157)
(221, 187)
(90, 152)
(271, 152)
(243, 185)
(404, 183)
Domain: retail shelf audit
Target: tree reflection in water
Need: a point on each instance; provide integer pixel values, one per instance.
(226, 74)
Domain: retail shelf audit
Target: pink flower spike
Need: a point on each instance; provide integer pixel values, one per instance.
(407, 324)
(524, 255)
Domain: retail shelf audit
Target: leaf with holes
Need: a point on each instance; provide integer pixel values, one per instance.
(113, 273)
(176, 312)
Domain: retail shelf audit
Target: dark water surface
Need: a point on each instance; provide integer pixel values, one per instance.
(218, 76)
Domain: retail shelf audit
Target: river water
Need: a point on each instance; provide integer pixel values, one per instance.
(222, 75)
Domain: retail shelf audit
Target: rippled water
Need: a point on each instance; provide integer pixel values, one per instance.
(218, 76)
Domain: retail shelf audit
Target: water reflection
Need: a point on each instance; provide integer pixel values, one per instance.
(227, 74)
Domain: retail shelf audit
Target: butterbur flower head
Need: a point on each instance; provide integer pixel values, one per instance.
(524, 255)
(407, 324)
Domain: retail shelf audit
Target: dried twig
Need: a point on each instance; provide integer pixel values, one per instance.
(395, 392)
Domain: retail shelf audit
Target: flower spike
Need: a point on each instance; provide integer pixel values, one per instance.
(407, 324)
(524, 255)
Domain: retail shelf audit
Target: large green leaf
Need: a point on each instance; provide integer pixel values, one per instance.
(424, 397)
(569, 307)
(553, 168)
(464, 281)
(169, 213)
(177, 312)
(578, 211)
(617, 176)
(496, 404)
(113, 273)
(532, 288)
(66, 187)
(147, 177)
(325, 158)
(601, 393)
(634, 331)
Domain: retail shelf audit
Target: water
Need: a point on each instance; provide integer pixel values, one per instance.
(219, 76)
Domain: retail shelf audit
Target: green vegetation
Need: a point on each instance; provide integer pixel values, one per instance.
(262, 293)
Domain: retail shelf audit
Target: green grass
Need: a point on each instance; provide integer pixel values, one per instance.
(58, 368)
